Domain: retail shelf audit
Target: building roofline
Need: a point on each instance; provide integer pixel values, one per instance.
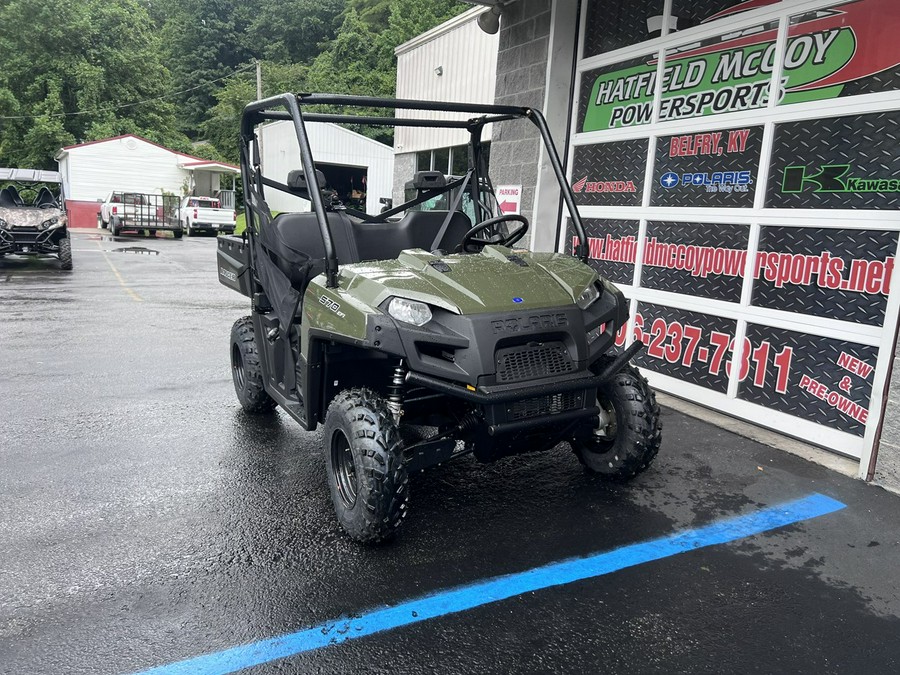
(67, 148)
(441, 29)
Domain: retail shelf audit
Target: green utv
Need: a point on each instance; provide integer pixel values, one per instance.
(420, 338)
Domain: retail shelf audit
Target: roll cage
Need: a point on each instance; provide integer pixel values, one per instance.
(15, 181)
(289, 107)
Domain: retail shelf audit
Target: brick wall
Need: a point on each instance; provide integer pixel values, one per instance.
(521, 80)
(81, 214)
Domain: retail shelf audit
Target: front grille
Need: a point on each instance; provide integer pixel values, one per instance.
(533, 361)
(544, 405)
(26, 236)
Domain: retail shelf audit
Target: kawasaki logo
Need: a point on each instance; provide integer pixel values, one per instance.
(834, 178)
(603, 186)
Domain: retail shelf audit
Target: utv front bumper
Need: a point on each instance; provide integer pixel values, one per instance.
(31, 240)
(518, 407)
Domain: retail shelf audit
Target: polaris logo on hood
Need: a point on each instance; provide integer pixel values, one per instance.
(524, 324)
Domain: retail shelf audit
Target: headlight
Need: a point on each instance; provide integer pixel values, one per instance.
(409, 311)
(49, 224)
(588, 296)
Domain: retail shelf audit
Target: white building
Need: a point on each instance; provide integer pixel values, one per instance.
(359, 168)
(90, 171)
(455, 61)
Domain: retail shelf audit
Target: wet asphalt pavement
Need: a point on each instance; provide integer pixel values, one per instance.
(144, 519)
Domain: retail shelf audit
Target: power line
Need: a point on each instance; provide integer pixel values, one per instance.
(131, 105)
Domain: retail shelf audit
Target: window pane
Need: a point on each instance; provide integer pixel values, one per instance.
(460, 160)
(617, 95)
(442, 160)
(423, 161)
(719, 75)
(611, 24)
(854, 55)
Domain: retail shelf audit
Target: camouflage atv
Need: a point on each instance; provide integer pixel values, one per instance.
(421, 339)
(32, 218)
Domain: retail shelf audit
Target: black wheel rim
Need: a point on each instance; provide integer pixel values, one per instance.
(344, 469)
(237, 366)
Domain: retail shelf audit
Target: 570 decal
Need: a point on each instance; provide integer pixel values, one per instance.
(677, 343)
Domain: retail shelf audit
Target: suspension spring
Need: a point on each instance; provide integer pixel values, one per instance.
(395, 392)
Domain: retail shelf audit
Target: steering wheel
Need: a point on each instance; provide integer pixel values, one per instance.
(471, 244)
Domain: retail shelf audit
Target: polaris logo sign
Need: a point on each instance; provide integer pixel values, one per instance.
(736, 180)
(524, 324)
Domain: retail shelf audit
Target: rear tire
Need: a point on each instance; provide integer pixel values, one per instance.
(178, 234)
(114, 227)
(65, 253)
(633, 434)
(364, 465)
(246, 369)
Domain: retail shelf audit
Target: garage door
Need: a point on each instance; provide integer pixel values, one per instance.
(738, 167)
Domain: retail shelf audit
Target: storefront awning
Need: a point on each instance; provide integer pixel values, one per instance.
(219, 167)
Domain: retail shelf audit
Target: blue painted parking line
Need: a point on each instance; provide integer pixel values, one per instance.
(486, 592)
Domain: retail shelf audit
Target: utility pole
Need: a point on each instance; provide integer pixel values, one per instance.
(259, 98)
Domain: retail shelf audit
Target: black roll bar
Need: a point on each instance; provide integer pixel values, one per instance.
(289, 101)
(260, 111)
(581, 251)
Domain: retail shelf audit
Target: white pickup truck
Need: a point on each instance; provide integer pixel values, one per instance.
(204, 214)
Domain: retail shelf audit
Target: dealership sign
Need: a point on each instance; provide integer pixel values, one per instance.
(825, 50)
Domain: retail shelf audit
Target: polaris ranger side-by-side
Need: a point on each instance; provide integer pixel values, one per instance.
(418, 340)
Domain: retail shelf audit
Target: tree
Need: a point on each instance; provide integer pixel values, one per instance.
(222, 127)
(92, 70)
(293, 31)
(175, 70)
(360, 60)
(205, 40)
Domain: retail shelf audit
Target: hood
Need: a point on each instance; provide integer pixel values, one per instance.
(27, 216)
(495, 280)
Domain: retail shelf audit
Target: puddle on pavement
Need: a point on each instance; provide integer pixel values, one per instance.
(136, 249)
